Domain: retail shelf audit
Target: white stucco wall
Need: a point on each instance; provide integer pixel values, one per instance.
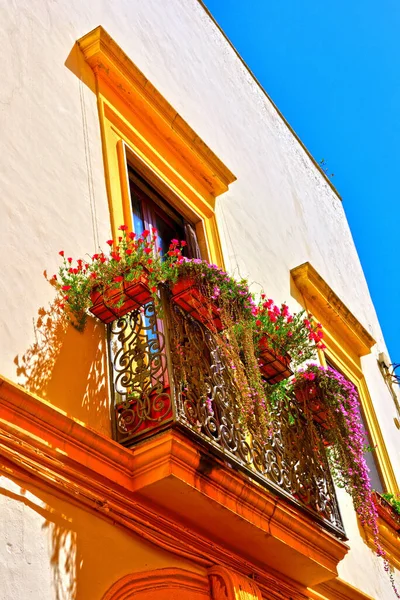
(278, 214)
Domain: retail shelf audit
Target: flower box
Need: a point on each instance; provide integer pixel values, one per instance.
(119, 299)
(311, 400)
(273, 367)
(187, 294)
(386, 511)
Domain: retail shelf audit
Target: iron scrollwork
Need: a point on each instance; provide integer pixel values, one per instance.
(193, 386)
(141, 389)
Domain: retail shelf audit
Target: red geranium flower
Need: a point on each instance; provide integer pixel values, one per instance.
(61, 253)
(118, 278)
(110, 242)
(123, 227)
(65, 288)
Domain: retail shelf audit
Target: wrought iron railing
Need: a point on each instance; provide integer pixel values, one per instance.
(147, 358)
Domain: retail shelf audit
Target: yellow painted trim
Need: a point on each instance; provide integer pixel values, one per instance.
(346, 340)
(389, 539)
(337, 589)
(139, 125)
(326, 306)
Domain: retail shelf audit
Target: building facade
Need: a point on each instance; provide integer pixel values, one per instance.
(105, 106)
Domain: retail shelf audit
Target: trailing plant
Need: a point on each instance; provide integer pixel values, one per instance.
(346, 438)
(236, 309)
(294, 335)
(128, 257)
(216, 283)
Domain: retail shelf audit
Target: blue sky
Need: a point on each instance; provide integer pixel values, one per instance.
(333, 69)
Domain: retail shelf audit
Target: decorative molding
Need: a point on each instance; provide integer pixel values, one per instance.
(389, 539)
(337, 589)
(228, 585)
(41, 445)
(173, 472)
(111, 64)
(326, 306)
(166, 583)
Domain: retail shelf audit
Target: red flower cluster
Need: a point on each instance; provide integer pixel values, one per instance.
(289, 334)
(130, 255)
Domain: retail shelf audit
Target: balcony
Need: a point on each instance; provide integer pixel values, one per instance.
(168, 374)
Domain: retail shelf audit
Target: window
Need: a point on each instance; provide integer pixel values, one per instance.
(139, 126)
(347, 341)
(149, 210)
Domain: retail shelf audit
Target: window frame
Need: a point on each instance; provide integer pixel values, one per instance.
(346, 342)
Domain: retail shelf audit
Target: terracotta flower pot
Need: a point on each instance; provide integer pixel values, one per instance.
(273, 367)
(310, 399)
(386, 511)
(187, 294)
(119, 299)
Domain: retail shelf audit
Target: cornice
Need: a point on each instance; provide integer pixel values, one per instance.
(112, 66)
(45, 447)
(337, 589)
(389, 539)
(325, 305)
(170, 466)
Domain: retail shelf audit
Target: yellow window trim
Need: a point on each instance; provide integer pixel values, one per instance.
(390, 540)
(346, 340)
(139, 125)
(325, 305)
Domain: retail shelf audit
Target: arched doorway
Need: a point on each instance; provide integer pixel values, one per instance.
(160, 584)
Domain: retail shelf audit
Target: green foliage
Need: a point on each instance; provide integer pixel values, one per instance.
(394, 501)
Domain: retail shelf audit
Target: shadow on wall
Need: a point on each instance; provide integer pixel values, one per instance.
(52, 548)
(68, 368)
(62, 576)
